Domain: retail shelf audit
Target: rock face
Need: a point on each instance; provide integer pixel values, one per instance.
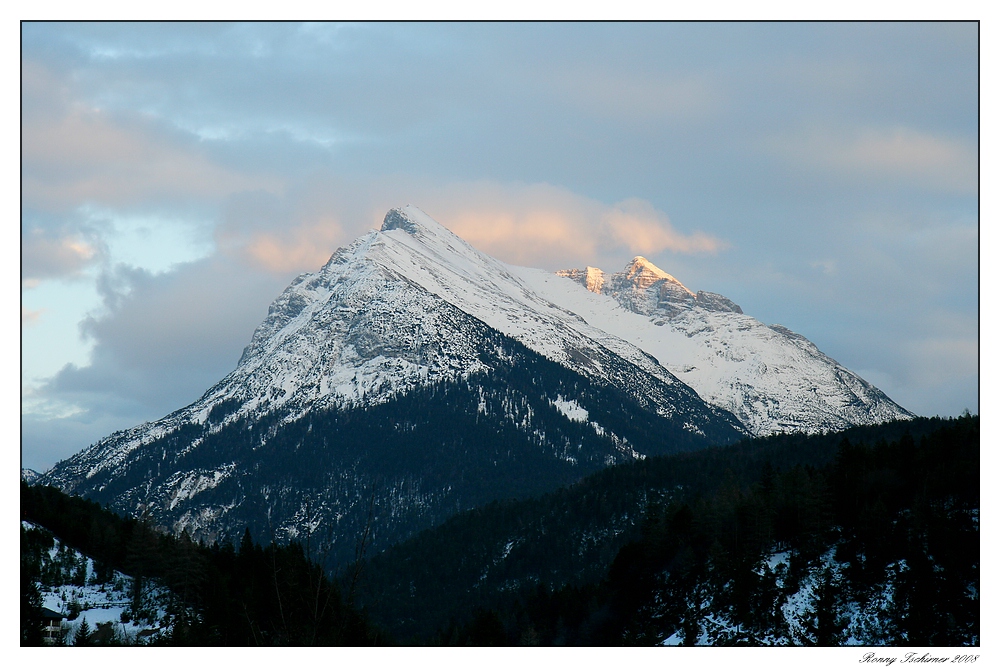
(413, 376)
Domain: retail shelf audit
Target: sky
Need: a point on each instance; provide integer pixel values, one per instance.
(176, 177)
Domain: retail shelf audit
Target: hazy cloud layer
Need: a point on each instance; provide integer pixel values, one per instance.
(75, 153)
(546, 226)
(824, 176)
(895, 156)
(29, 317)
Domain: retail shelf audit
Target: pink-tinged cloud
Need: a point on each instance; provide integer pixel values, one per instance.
(46, 257)
(642, 229)
(519, 234)
(520, 224)
(72, 153)
(899, 154)
(303, 248)
(293, 246)
(551, 227)
(537, 224)
(542, 225)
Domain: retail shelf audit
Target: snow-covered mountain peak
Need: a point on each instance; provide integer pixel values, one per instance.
(642, 273)
(410, 219)
(638, 276)
(646, 288)
(591, 278)
(416, 246)
(411, 318)
(409, 224)
(772, 379)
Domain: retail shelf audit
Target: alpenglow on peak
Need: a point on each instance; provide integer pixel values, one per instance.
(644, 273)
(639, 274)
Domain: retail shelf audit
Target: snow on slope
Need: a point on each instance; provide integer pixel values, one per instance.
(772, 379)
(869, 623)
(393, 310)
(418, 249)
(371, 323)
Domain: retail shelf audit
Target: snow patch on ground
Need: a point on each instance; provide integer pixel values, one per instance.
(187, 485)
(571, 409)
(102, 603)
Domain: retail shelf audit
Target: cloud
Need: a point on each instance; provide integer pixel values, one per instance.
(614, 93)
(300, 249)
(944, 356)
(933, 373)
(161, 340)
(827, 266)
(551, 227)
(523, 236)
(897, 153)
(638, 226)
(74, 153)
(50, 439)
(283, 234)
(529, 224)
(522, 224)
(43, 256)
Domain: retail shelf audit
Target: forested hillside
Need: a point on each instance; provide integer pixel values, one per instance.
(869, 536)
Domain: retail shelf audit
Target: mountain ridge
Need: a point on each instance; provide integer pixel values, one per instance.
(773, 379)
(407, 318)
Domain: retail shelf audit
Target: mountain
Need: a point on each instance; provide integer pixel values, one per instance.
(772, 379)
(409, 378)
(413, 376)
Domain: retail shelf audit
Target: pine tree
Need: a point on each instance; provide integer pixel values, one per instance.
(822, 624)
(82, 636)
(141, 555)
(829, 626)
